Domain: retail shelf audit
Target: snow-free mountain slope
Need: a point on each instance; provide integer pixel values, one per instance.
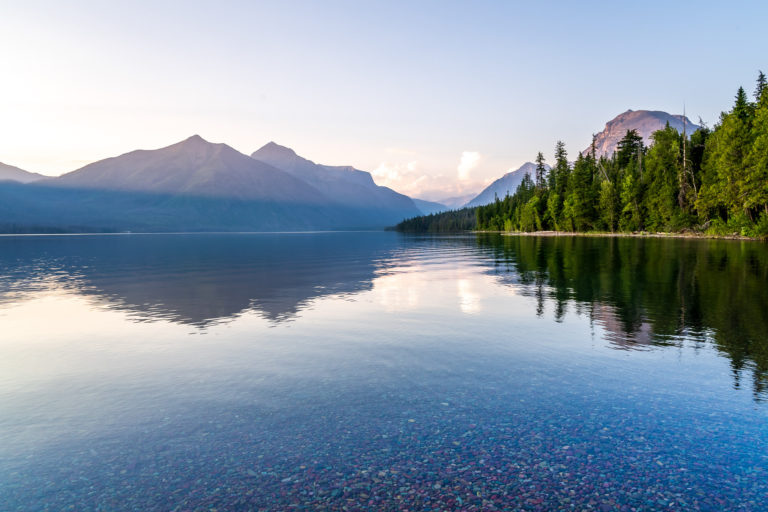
(193, 167)
(344, 185)
(9, 172)
(429, 207)
(456, 202)
(644, 121)
(195, 185)
(506, 185)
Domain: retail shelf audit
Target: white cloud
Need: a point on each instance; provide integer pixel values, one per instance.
(418, 177)
(469, 160)
(399, 176)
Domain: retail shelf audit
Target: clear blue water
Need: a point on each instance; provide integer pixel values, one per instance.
(374, 371)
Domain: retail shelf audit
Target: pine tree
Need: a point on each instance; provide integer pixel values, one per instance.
(761, 86)
(628, 148)
(541, 170)
(558, 182)
(741, 108)
(663, 178)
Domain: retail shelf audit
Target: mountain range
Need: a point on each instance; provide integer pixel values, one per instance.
(196, 185)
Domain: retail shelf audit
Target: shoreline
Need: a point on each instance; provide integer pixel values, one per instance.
(642, 234)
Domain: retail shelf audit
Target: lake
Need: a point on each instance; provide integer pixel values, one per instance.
(376, 371)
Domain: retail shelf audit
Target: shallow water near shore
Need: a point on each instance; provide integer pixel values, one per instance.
(376, 371)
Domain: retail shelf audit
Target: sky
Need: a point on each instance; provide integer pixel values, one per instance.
(435, 98)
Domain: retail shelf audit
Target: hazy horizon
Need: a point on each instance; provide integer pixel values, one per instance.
(434, 99)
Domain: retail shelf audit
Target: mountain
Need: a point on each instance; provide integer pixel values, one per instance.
(457, 201)
(9, 172)
(193, 167)
(644, 121)
(506, 185)
(193, 185)
(196, 185)
(344, 186)
(428, 207)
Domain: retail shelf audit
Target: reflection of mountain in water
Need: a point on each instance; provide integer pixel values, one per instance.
(198, 279)
(642, 293)
(651, 292)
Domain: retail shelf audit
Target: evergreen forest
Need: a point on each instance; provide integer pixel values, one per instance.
(712, 181)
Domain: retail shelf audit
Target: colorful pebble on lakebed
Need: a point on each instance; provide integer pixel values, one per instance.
(442, 459)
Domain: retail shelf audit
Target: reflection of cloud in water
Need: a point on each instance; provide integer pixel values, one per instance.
(397, 292)
(469, 301)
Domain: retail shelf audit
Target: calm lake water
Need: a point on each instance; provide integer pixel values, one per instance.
(374, 371)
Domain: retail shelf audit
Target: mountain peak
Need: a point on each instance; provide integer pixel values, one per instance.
(645, 122)
(527, 167)
(194, 140)
(272, 150)
(196, 146)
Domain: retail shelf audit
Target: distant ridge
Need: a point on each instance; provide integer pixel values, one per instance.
(644, 121)
(428, 207)
(9, 172)
(506, 185)
(192, 167)
(457, 201)
(343, 185)
(196, 185)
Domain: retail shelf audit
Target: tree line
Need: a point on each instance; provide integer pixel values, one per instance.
(713, 181)
(464, 219)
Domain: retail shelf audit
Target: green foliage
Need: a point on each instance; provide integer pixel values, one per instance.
(664, 175)
(608, 205)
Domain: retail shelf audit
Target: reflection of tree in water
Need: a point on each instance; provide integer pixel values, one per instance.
(652, 292)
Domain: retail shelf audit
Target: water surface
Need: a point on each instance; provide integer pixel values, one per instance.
(369, 371)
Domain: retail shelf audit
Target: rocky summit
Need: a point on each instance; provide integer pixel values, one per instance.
(645, 122)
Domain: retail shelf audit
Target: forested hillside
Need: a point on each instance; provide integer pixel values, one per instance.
(713, 181)
(444, 222)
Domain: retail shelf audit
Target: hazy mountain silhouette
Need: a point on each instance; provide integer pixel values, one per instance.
(9, 172)
(193, 167)
(343, 185)
(456, 202)
(427, 207)
(195, 185)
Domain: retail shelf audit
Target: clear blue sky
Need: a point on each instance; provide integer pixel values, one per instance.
(406, 89)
